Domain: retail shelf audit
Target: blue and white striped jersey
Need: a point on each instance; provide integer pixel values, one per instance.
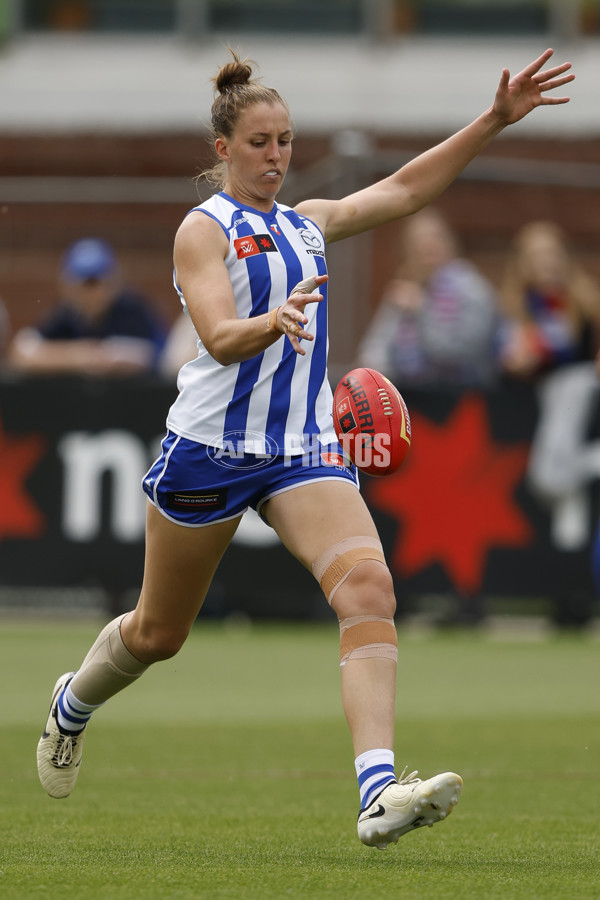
(278, 401)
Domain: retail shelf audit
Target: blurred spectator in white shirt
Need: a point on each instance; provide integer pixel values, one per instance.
(181, 346)
(437, 320)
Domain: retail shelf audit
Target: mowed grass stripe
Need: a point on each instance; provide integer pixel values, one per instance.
(291, 672)
(184, 793)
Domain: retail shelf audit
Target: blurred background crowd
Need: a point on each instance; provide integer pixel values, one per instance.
(103, 115)
(440, 320)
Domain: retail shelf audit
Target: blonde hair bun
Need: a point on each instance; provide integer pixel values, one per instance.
(232, 74)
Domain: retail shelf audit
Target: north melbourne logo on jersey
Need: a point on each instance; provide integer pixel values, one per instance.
(253, 244)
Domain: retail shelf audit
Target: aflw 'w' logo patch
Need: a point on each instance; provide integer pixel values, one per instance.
(253, 244)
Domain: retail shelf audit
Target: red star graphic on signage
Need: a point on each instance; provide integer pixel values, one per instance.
(453, 498)
(19, 517)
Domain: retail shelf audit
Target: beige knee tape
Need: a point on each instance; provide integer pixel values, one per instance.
(365, 637)
(108, 668)
(334, 565)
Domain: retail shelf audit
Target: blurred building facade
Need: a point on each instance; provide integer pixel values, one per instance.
(380, 17)
(104, 104)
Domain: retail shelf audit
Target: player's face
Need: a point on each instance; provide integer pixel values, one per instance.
(257, 154)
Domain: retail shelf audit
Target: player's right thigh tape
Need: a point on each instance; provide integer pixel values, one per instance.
(108, 668)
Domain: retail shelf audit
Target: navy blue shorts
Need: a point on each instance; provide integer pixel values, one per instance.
(194, 484)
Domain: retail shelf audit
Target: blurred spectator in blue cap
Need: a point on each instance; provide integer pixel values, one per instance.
(89, 258)
(100, 326)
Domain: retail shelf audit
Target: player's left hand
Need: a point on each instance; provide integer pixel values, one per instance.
(516, 97)
(291, 318)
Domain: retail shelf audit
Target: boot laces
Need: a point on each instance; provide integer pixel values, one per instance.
(64, 750)
(409, 779)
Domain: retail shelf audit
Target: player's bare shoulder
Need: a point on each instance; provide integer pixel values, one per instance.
(200, 234)
(327, 214)
(318, 211)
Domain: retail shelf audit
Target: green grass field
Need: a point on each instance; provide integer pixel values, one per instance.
(227, 772)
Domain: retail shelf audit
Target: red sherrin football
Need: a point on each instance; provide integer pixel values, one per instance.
(371, 421)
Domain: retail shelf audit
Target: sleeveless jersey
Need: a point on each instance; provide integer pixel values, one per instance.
(278, 401)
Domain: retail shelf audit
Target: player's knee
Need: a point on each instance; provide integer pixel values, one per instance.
(166, 646)
(156, 643)
(368, 590)
(353, 566)
(372, 577)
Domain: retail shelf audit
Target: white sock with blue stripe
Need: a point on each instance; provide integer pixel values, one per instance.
(375, 770)
(71, 714)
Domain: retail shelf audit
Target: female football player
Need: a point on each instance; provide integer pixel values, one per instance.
(252, 276)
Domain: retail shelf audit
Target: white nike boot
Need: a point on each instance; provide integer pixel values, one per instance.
(58, 752)
(408, 804)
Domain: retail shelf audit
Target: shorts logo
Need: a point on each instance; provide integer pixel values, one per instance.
(346, 419)
(332, 459)
(197, 500)
(253, 244)
(243, 450)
